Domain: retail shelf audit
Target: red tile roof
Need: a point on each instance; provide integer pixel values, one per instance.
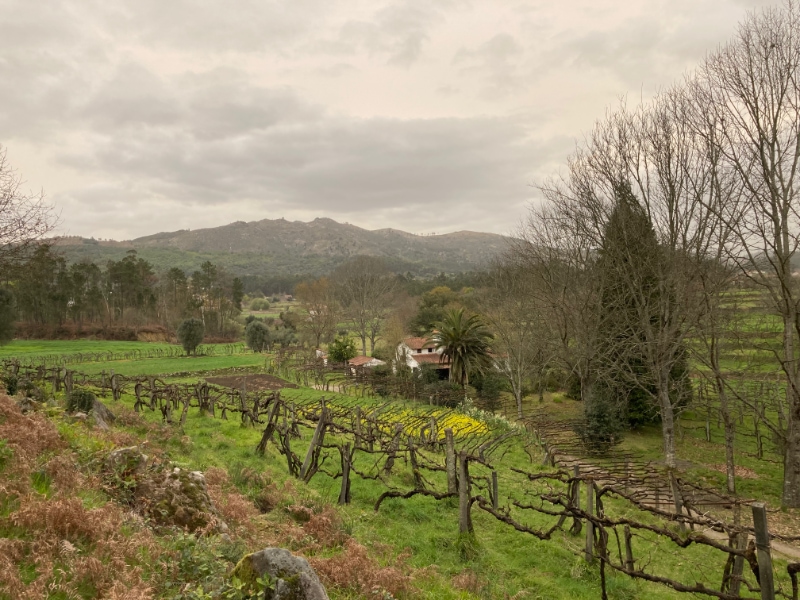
(431, 358)
(361, 360)
(418, 343)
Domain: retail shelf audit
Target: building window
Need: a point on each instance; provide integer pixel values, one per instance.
(430, 349)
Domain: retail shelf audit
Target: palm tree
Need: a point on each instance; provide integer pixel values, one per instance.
(465, 341)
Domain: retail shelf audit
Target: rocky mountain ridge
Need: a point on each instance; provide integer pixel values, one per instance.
(316, 246)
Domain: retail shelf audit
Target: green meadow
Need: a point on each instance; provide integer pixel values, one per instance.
(498, 562)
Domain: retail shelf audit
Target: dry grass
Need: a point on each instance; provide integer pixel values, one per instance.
(357, 570)
(469, 581)
(73, 550)
(234, 508)
(54, 543)
(27, 435)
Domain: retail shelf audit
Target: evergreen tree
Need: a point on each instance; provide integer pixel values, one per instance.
(190, 335)
(630, 259)
(256, 335)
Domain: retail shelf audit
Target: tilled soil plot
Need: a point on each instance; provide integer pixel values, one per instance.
(259, 383)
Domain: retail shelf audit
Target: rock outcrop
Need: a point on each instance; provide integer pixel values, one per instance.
(291, 577)
(175, 497)
(165, 494)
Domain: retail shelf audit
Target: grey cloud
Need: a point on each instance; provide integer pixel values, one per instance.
(132, 96)
(496, 61)
(213, 26)
(200, 111)
(397, 32)
(646, 48)
(438, 167)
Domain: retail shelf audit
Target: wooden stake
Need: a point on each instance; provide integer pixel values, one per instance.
(589, 550)
(412, 455)
(495, 496)
(450, 461)
(575, 501)
(344, 494)
(762, 547)
(628, 550)
(464, 513)
(319, 434)
(358, 427)
(676, 498)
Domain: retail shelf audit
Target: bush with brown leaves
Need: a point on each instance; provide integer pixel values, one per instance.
(29, 435)
(356, 570)
(234, 508)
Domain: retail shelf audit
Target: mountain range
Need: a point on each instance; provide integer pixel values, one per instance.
(289, 247)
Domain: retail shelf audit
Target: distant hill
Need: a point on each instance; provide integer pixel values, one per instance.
(289, 247)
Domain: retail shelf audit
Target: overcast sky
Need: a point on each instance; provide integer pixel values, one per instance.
(427, 116)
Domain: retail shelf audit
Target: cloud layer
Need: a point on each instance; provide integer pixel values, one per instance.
(151, 116)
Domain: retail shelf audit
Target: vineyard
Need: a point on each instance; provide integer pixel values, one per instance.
(622, 515)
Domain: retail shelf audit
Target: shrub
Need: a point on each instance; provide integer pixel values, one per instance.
(80, 401)
(190, 335)
(256, 336)
(285, 337)
(428, 374)
(602, 425)
(7, 315)
(10, 382)
(259, 304)
(491, 385)
(341, 350)
(445, 393)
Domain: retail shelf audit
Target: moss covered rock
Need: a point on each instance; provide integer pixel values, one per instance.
(125, 462)
(175, 496)
(292, 578)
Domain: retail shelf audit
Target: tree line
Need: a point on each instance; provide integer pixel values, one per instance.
(49, 292)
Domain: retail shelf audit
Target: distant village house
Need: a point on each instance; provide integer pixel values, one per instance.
(417, 351)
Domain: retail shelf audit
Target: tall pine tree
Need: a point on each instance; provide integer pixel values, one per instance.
(630, 262)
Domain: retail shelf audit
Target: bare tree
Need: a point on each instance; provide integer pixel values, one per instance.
(654, 154)
(318, 299)
(560, 269)
(717, 325)
(521, 346)
(25, 217)
(753, 85)
(363, 287)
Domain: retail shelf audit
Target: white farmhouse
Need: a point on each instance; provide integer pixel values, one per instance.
(417, 351)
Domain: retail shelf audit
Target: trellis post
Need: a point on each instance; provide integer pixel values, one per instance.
(450, 461)
(344, 494)
(589, 549)
(464, 514)
(766, 582)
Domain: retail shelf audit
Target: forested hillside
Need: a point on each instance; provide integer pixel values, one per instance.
(279, 247)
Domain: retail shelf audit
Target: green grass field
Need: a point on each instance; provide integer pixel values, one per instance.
(502, 562)
(35, 348)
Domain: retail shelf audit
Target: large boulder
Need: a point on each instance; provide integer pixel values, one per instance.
(292, 578)
(125, 462)
(103, 418)
(165, 494)
(175, 497)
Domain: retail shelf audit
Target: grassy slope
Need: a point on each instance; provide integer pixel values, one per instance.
(506, 562)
